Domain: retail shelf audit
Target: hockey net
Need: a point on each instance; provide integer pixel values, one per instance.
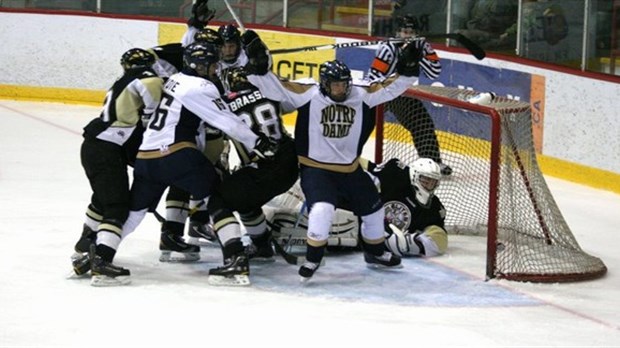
(496, 187)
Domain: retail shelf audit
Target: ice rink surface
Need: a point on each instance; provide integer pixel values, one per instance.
(443, 301)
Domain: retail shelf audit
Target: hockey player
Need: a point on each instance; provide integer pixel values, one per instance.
(334, 121)
(410, 112)
(168, 155)
(110, 144)
(414, 215)
(232, 53)
(247, 189)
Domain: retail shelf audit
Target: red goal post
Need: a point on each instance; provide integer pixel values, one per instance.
(496, 187)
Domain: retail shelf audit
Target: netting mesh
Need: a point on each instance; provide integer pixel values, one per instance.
(528, 238)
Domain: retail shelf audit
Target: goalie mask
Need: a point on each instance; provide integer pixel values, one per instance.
(425, 179)
(332, 74)
(137, 58)
(201, 59)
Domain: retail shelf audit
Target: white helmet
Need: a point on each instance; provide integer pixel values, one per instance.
(425, 178)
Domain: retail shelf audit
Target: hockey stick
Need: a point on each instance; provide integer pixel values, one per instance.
(234, 15)
(471, 46)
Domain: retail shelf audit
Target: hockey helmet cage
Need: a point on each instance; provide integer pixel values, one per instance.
(199, 57)
(334, 71)
(426, 175)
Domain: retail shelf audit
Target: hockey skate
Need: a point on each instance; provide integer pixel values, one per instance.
(201, 234)
(386, 260)
(88, 237)
(107, 274)
(260, 248)
(235, 272)
(306, 271)
(174, 249)
(81, 266)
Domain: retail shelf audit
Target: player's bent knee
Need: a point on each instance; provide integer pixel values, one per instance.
(373, 226)
(320, 221)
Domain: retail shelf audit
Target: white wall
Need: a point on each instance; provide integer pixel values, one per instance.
(582, 122)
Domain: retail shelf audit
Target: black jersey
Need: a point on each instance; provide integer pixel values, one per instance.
(398, 195)
(258, 112)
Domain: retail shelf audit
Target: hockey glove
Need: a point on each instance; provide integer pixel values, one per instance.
(259, 61)
(409, 58)
(265, 148)
(201, 14)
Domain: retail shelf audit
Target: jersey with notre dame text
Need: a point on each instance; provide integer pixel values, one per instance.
(186, 101)
(329, 134)
(258, 112)
(401, 206)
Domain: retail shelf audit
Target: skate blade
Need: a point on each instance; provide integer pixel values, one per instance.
(262, 260)
(236, 280)
(169, 256)
(202, 242)
(105, 281)
(380, 267)
(73, 275)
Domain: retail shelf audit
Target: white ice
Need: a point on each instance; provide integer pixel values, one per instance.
(444, 301)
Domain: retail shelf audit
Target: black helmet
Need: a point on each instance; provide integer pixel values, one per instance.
(137, 58)
(236, 79)
(230, 34)
(407, 21)
(334, 71)
(207, 35)
(199, 57)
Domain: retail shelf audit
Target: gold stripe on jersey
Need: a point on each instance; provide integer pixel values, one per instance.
(165, 152)
(338, 168)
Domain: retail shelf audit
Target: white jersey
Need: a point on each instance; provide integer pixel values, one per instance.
(186, 101)
(328, 134)
(386, 57)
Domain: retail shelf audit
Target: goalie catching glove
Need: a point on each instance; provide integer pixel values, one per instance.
(433, 241)
(409, 58)
(259, 60)
(201, 14)
(265, 148)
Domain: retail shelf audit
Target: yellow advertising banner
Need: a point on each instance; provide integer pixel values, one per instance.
(290, 66)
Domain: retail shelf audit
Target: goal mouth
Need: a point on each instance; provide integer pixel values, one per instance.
(496, 187)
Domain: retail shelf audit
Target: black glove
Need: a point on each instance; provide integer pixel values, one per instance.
(409, 58)
(201, 15)
(257, 52)
(265, 148)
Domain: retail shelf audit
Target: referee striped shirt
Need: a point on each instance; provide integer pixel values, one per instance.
(386, 57)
